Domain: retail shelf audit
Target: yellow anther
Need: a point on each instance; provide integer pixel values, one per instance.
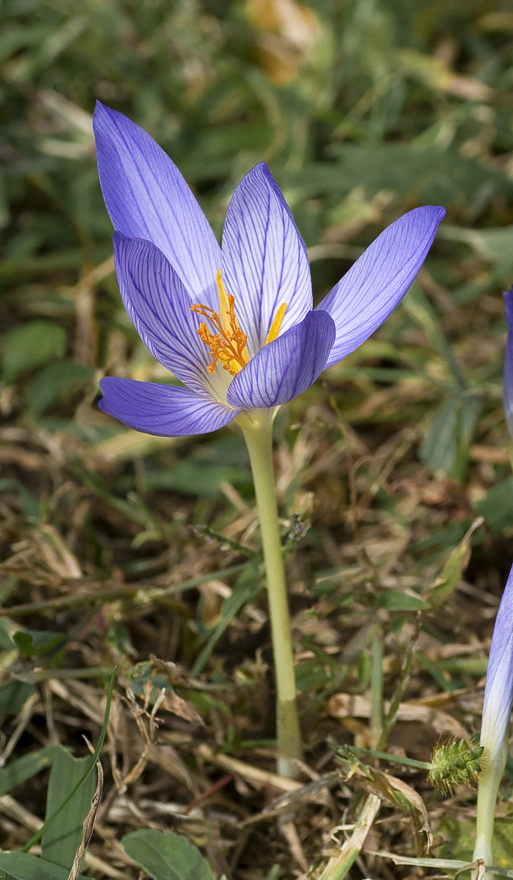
(224, 301)
(276, 324)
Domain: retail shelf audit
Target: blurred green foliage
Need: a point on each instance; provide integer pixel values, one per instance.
(362, 109)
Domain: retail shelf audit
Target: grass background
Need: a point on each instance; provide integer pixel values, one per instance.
(123, 549)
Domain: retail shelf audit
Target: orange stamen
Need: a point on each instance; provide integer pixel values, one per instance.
(228, 343)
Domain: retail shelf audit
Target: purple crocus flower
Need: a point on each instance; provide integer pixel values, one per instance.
(498, 695)
(234, 324)
(508, 364)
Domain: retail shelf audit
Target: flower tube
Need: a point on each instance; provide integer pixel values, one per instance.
(498, 699)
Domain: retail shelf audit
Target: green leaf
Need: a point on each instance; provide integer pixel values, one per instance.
(428, 176)
(24, 768)
(62, 839)
(35, 643)
(7, 627)
(447, 445)
(29, 346)
(422, 311)
(496, 505)
(197, 477)
(23, 866)
(309, 674)
(451, 574)
(14, 695)
(436, 673)
(166, 856)
(395, 600)
(49, 820)
(51, 384)
(492, 244)
(32, 508)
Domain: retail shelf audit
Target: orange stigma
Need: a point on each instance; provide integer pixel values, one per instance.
(228, 343)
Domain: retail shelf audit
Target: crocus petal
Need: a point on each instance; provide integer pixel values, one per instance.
(159, 306)
(165, 410)
(498, 697)
(372, 288)
(286, 367)
(507, 388)
(147, 197)
(264, 258)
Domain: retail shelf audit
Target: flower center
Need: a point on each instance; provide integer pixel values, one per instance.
(228, 343)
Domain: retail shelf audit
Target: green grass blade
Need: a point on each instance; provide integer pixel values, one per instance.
(92, 764)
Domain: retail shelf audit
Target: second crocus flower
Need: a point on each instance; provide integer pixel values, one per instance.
(498, 700)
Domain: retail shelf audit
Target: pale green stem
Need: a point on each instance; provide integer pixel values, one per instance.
(377, 689)
(258, 436)
(487, 789)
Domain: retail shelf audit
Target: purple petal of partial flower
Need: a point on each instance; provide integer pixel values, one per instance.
(372, 288)
(286, 367)
(160, 308)
(507, 387)
(498, 696)
(264, 258)
(147, 197)
(165, 410)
